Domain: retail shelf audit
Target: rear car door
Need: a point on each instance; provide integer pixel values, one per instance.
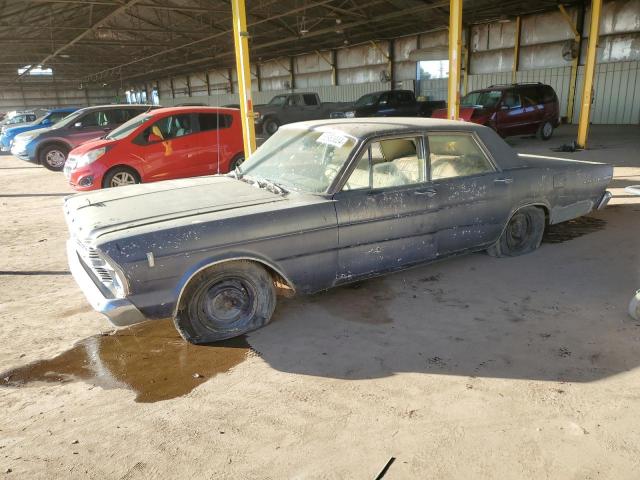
(472, 195)
(168, 149)
(214, 143)
(384, 210)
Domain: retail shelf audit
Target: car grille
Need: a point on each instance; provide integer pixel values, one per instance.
(94, 261)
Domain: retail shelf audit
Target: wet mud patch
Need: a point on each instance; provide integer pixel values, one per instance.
(150, 359)
(578, 227)
(362, 302)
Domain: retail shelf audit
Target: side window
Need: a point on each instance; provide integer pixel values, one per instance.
(389, 163)
(531, 96)
(404, 98)
(296, 100)
(310, 99)
(91, 119)
(56, 117)
(548, 94)
(511, 100)
(213, 121)
(457, 155)
(166, 128)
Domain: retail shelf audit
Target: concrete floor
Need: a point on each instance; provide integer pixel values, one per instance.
(477, 367)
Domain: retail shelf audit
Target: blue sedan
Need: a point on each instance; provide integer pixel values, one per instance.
(7, 134)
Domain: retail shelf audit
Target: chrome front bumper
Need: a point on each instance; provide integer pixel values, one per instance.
(604, 200)
(119, 311)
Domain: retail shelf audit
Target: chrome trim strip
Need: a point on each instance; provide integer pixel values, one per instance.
(604, 200)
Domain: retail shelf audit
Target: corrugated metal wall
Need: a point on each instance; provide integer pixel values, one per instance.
(361, 67)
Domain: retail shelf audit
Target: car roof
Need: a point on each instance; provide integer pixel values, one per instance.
(64, 109)
(192, 109)
(111, 107)
(365, 128)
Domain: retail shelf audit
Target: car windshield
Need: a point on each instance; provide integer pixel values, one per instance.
(301, 159)
(367, 100)
(126, 128)
(278, 100)
(69, 119)
(486, 99)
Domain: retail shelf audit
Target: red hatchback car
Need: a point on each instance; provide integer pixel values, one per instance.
(517, 109)
(162, 144)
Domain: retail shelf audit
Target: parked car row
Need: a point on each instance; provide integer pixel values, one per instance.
(514, 109)
(115, 145)
(49, 118)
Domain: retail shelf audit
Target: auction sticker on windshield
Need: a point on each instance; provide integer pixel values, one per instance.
(333, 139)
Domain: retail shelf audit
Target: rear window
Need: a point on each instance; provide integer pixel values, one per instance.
(548, 94)
(214, 121)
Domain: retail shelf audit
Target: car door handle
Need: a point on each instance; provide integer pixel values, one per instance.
(430, 192)
(504, 181)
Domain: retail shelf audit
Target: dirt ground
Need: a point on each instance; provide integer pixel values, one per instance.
(477, 367)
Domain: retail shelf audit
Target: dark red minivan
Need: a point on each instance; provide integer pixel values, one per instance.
(162, 144)
(516, 109)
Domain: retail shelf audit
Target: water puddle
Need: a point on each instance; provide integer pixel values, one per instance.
(578, 227)
(150, 359)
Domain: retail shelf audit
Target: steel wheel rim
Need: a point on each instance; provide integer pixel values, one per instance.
(547, 129)
(55, 158)
(122, 178)
(227, 304)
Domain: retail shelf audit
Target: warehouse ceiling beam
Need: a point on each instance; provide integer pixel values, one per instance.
(287, 40)
(217, 35)
(61, 49)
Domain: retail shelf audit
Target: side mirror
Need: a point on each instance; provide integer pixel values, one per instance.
(77, 125)
(152, 138)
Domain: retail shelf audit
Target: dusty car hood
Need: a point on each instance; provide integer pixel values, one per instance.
(92, 214)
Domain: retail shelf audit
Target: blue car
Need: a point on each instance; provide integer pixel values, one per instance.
(8, 133)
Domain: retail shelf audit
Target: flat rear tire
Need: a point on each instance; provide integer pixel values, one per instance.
(523, 233)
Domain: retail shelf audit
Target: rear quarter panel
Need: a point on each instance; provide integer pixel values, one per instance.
(569, 189)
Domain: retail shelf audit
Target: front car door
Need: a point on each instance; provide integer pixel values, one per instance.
(384, 209)
(168, 149)
(89, 126)
(472, 195)
(510, 114)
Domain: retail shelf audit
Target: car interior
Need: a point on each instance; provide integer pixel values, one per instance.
(397, 162)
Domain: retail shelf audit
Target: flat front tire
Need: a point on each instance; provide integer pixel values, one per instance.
(225, 301)
(523, 233)
(53, 157)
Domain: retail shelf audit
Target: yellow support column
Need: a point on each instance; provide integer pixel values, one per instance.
(240, 38)
(589, 69)
(455, 49)
(516, 52)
